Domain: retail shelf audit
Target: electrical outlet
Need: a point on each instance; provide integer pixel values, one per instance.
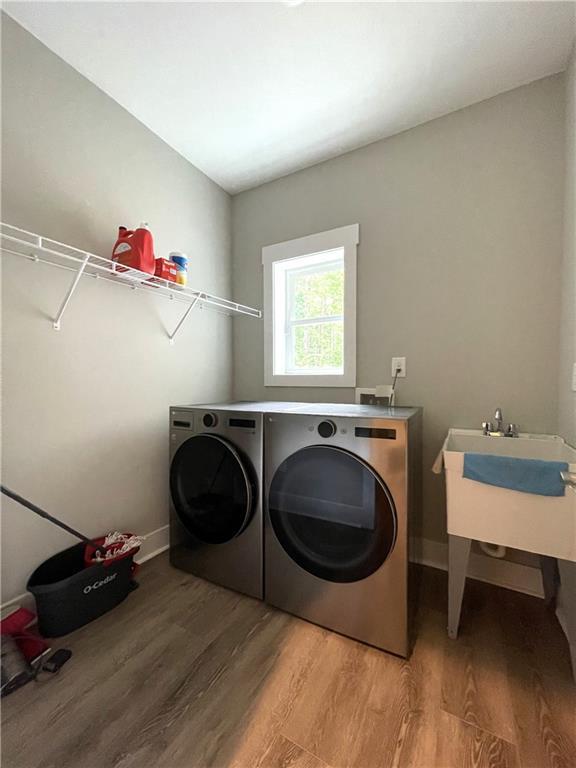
(399, 363)
(574, 378)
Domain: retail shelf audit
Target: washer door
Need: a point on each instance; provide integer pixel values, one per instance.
(332, 513)
(212, 490)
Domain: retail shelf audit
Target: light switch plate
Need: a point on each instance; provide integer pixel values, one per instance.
(399, 362)
(574, 378)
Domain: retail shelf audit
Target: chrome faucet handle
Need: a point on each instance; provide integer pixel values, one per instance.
(487, 427)
(512, 430)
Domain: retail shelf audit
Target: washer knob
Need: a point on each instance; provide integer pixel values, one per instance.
(326, 429)
(209, 420)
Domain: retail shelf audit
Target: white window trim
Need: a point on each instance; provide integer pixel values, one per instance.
(343, 237)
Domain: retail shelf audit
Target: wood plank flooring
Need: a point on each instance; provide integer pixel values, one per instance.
(186, 674)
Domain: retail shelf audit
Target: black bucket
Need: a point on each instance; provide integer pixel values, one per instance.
(69, 594)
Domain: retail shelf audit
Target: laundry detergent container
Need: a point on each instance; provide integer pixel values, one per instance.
(68, 594)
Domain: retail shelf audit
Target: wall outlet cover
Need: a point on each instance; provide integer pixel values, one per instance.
(363, 391)
(399, 363)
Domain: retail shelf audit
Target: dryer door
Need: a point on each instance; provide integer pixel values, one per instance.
(212, 490)
(332, 513)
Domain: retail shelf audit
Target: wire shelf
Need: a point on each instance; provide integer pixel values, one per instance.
(28, 245)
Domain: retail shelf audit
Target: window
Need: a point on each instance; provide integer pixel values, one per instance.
(310, 310)
(309, 314)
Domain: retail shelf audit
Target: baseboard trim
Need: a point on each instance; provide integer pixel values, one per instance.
(154, 544)
(500, 573)
(25, 600)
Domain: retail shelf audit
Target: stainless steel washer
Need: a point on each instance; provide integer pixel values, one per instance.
(216, 457)
(342, 487)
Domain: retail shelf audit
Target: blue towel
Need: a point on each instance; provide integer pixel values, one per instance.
(526, 475)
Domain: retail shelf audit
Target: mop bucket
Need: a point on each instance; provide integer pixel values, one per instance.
(73, 588)
(69, 595)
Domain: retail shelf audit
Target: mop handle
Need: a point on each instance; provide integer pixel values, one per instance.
(46, 516)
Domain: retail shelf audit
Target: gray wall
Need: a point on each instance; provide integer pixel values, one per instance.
(567, 398)
(460, 249)
(85, 410)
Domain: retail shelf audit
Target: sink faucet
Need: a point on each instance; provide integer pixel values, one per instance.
(499, 420)
(497, 430)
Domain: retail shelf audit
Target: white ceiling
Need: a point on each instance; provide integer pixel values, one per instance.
(249, 92)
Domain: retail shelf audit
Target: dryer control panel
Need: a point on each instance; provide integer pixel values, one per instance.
(241, 428)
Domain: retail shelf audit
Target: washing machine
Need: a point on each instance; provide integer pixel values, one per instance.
(342, 489)
(216, 457)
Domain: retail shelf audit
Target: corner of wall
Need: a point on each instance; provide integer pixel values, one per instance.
(566, 395)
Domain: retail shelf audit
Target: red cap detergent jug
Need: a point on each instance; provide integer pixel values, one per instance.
(135, 249)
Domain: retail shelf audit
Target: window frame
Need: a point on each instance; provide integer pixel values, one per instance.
(345, 239)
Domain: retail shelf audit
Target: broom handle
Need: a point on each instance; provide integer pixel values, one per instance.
(46, 516)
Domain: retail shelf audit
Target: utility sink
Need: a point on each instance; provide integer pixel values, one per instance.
(545, 525)
(541, 524)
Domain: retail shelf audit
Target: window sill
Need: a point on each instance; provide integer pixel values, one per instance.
(308, 380)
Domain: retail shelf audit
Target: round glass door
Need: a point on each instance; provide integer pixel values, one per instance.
(332, 513)
(212, 491)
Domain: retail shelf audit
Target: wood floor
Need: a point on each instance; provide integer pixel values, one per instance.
(185, 674)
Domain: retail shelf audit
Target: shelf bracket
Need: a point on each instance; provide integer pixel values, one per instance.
(172, 336)
(70, 293)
